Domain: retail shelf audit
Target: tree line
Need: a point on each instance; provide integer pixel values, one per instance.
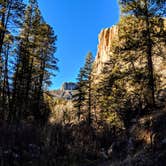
(128, 84)
(27, 61)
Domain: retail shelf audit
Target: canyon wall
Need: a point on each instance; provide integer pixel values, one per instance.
(105, 41)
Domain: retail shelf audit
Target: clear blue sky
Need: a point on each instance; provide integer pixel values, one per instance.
(77, 24)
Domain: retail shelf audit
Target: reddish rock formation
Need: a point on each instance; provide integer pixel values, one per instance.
(105, 38)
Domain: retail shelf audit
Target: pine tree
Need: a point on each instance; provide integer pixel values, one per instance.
(80, 95)
(34, 67)
(46, 64)
(23, 74)
(88, 85)
(11, 12)
(83, 97)
(147, 34)
(7, 66)
(110, 91)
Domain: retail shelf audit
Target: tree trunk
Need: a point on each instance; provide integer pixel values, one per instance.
(151, 83)
(89, 102)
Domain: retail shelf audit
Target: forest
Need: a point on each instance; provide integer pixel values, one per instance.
(116, 117)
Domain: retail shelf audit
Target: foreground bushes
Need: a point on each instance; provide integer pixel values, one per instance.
(28, 144)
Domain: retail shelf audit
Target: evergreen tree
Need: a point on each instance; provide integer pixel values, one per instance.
(147, 34)
(110, 92)
(80, 95)
(34, 67)
(88, 85)
(11, 13)
(83, 97)
(23, 74)
(45, 65)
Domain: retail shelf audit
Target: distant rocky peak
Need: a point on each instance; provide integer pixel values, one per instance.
(68, 86)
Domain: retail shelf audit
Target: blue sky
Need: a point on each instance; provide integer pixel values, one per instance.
(77, 24)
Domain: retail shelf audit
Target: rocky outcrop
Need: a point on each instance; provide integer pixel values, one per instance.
(146, 136)
(66, 91)
(106, 38)
(68, 86)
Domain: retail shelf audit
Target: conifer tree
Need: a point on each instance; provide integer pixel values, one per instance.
(34, 67)
(147, 34)
(11, 12)
(83, 98)
(80, 95)
(24, 62)
(110, 91)
(88, 85)
(46, 65)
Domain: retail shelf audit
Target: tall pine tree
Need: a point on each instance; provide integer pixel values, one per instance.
(35, 66)
(83, 98)
(147, 35)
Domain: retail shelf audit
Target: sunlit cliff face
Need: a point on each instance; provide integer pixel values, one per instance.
(106, 40)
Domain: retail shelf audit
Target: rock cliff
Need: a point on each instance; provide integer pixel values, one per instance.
(106, 39)
(68, 86)
(66, 92)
